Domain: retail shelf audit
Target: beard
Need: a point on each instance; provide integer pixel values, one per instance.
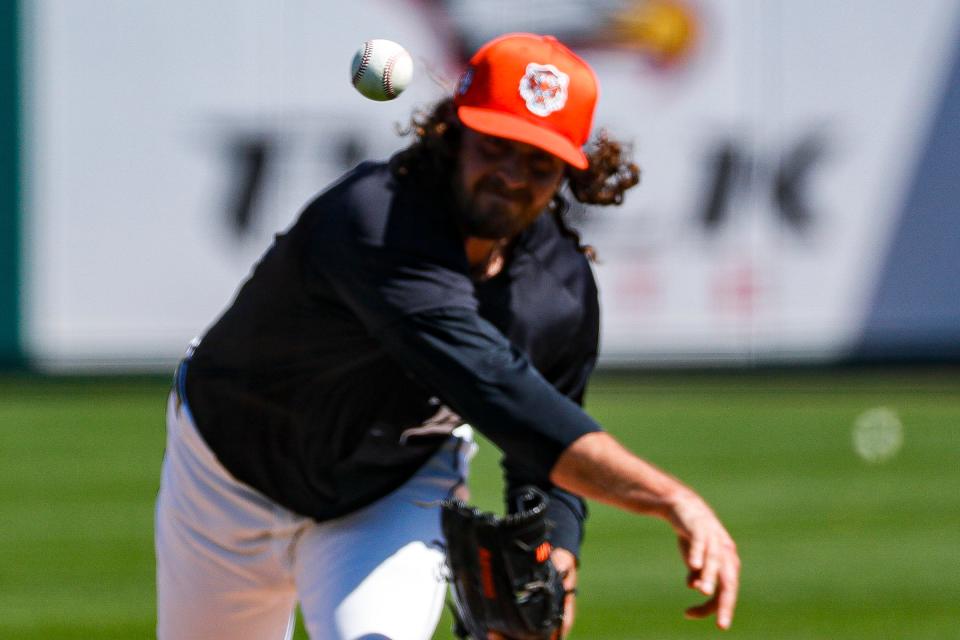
(492, 211)
(490, 222)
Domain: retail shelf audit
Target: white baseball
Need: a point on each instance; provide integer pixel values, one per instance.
(381, 69)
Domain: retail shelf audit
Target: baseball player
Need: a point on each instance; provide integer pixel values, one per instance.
(316, 424)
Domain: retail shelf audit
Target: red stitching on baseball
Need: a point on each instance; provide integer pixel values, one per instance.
(364, 62)
(388, 76)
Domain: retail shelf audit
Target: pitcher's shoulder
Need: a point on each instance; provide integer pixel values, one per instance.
(356, 207)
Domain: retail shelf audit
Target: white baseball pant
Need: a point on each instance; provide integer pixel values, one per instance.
(231, 563)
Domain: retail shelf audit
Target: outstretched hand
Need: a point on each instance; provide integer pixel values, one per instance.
(598, 467)
(711, 557)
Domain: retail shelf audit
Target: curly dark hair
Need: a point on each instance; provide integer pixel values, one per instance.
(432, 156)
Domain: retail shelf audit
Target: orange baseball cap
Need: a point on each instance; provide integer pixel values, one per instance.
(531, 89)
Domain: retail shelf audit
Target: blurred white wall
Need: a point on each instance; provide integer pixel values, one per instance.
(777, 139)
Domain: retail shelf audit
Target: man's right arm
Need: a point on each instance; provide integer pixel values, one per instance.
(477, 373)
(425, 317)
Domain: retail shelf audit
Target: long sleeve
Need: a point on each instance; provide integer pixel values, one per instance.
(569, 373)
(474, 370)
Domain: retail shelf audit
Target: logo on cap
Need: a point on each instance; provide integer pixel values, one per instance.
(465, 81)
(544, 88)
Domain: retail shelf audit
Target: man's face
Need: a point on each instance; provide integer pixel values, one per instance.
(501, 186)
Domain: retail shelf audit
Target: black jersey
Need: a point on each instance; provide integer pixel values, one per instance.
(361, 322)
(545, 303)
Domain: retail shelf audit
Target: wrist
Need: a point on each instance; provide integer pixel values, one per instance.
(676, 502)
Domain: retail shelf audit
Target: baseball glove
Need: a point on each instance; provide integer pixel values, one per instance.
(501, 573)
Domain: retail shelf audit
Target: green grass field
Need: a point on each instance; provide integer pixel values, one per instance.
(832, 546)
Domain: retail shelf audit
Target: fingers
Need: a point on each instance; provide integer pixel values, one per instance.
(720, 577)
(568, 613)
(710, 555)
(722, 604)
(566, 564)
(703, 563)
(696, 552)
(730, 586)
(718, 574)
(707, 582)
(702, 610)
